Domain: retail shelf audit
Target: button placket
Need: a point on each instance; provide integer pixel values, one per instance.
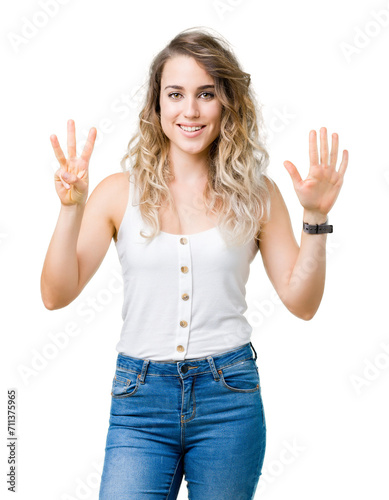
(185, 295)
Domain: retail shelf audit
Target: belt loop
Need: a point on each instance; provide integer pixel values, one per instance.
(213, 368)
(144, 370)
(254, 351)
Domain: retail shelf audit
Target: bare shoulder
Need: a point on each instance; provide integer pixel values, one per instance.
(116, 181)
(111, 196)
(274, 199)
(272, 187)
(277, 202)
(277, 231)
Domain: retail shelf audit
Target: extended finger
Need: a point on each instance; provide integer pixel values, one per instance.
(323, 146)
(334, 150)
(313, 155)
(71, 139)
(90, 142)
(293, 172)
(343, 165)
(58, 176)
(57, 150)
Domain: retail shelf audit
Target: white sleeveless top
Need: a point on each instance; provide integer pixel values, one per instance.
(184, 295)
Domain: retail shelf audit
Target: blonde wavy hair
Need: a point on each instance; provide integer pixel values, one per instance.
(236, 190)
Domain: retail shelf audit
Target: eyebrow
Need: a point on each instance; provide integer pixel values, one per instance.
(178, 87)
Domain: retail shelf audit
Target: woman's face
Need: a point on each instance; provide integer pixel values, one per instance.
(188, 99)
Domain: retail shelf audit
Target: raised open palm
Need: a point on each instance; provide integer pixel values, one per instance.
(72, 179)
(318, 192)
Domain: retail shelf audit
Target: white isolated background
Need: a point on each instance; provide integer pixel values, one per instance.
(324, 382)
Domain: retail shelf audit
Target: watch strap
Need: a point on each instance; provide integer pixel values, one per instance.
(317, 228)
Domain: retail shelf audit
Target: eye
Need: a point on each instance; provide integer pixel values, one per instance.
(209, 94)
(174, 93)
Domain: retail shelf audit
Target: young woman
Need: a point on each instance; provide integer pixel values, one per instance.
(188, 218)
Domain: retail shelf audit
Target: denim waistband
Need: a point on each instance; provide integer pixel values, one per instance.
(186, 367)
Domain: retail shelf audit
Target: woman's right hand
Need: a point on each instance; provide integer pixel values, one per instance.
(71, 179)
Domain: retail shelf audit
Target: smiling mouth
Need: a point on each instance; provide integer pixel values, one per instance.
(191, 129)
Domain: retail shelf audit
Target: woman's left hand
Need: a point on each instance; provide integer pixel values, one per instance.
(318, 192)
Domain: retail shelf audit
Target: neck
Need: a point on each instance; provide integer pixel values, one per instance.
(188, 168)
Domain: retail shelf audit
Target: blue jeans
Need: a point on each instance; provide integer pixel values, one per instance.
(201, 418)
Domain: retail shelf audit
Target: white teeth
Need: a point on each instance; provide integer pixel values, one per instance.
(190, 129)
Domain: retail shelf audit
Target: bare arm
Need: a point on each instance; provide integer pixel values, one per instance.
(80, 241)
(298, 273)
(60, 275)
(84, 230)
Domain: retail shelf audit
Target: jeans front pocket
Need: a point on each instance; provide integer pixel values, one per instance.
(241, 377)
(125, 383)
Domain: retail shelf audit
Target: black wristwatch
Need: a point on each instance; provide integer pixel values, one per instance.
(317, 228)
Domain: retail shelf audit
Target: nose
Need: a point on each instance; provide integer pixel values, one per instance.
(191, 108)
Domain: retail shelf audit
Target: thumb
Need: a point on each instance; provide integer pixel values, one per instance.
(293, 172)
(74, 180)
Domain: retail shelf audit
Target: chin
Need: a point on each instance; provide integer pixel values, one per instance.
(192, 151)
